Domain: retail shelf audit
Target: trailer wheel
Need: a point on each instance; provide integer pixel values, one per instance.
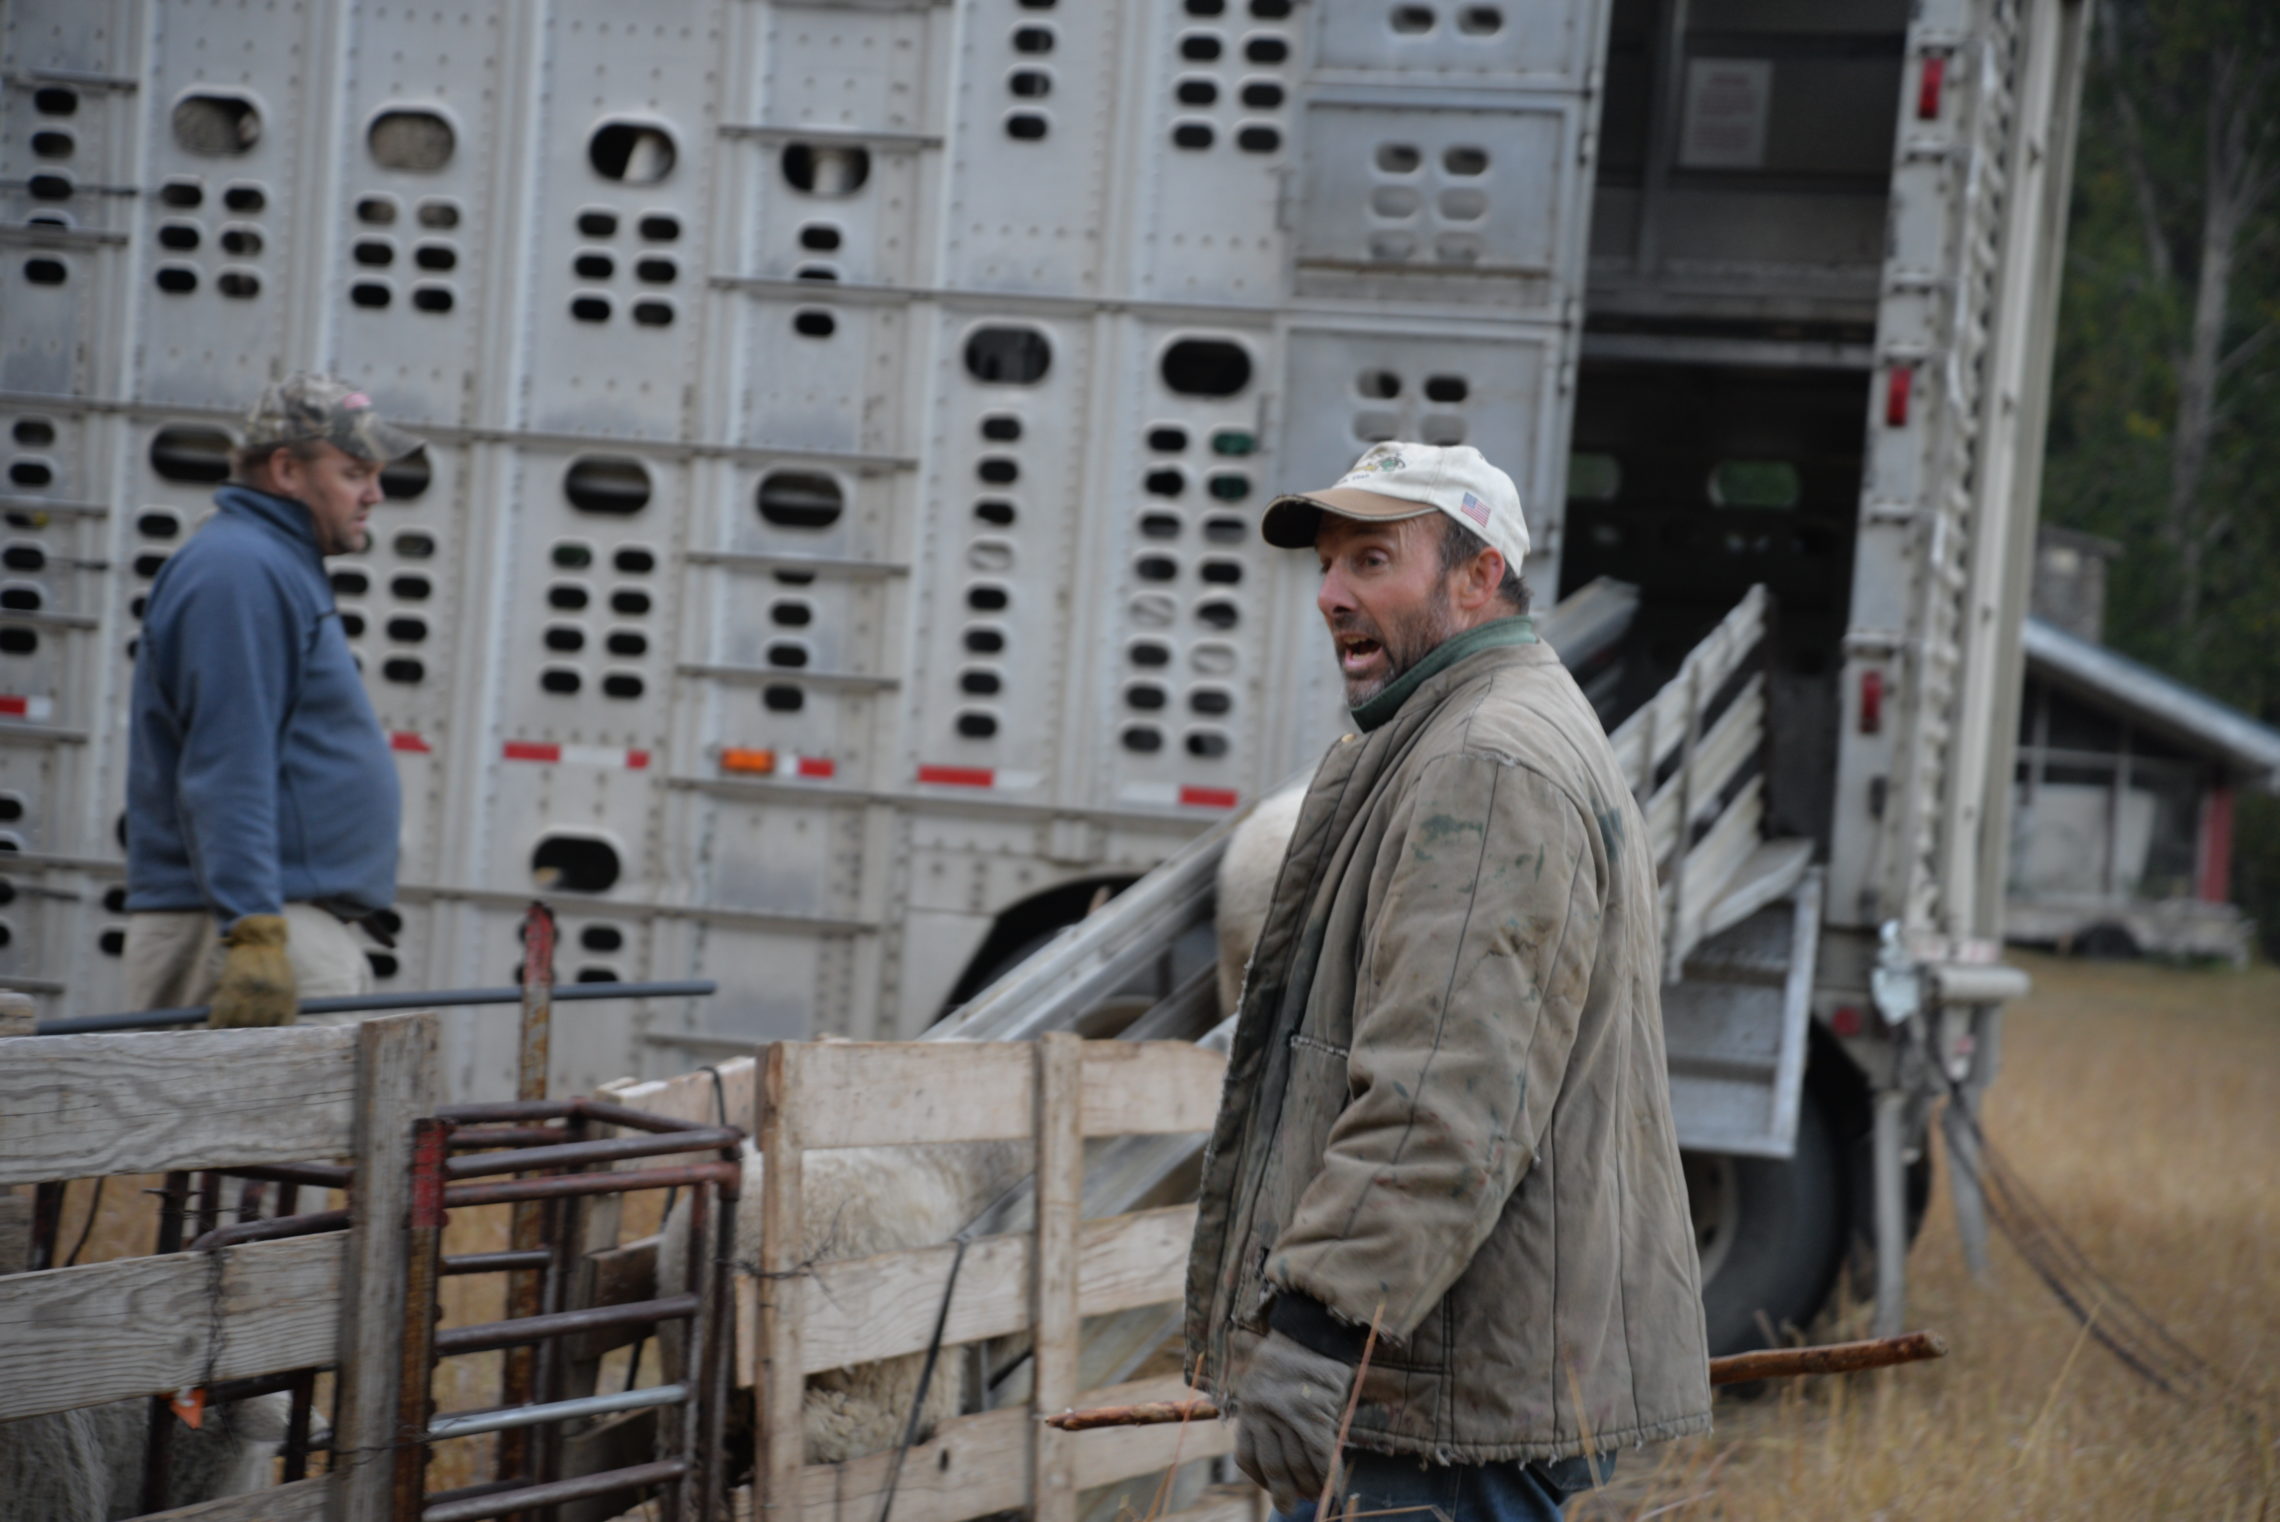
(1770, 1233)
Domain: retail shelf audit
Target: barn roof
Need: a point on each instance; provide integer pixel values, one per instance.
(2185, 716)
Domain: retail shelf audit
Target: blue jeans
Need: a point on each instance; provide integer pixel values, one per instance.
(1379, 1483)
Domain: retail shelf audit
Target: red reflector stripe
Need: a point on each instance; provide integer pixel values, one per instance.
(636, 760)
(1871, 702)
(1928, 89)
(958, 776)
(15, 707)
(417, 744)
(531, 750)
(1896, 388)
(1207, 797)
(817, 766)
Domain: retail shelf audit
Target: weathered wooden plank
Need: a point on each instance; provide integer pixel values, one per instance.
(774, 1366)
(301, 1501)
(888, 1094)
(691, 1097)
(396, 1084)
(148, 1102)
(148, 1326)
(1137, 1088)
(1060, 1201)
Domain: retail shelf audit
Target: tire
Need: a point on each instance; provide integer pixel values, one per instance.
(1771, 1234)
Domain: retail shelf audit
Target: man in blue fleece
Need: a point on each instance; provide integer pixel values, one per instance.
(262, 804)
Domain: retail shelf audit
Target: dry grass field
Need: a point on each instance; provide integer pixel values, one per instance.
(2142, 1104)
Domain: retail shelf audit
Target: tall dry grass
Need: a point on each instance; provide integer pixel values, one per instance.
(2142, 1104)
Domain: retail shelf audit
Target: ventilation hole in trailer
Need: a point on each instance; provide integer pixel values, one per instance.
(627, 644)
(634, 153)
(112, 942)
(1029, 84)
(27, 642)
(1258, 139)
(415, 545)
(34, 432)
(1145, 696)
(1211, 702)
(560, 680)
(1226, 530)
(1480, 21)
(1270, 10)
(1166, 483)
(439, 214)
(31, 473)
(1001, 427)
(1201, 47)
(1008, 356)
(801, 499)
(1411, 20)
(148, 566)
(216, 126)
(20, 599)
(1262, 95)
(373, 211)
(789, 654)
(245, 198)
(1224, 573)
(575, 864)
(1167, 440)
(1191, 135)
(990, 556)
(601, 938)
(997, 470)
(567, 639)
(657, 270)
(1156, 568)
(1218, 613)
(1395, 202)
(192, 453)
(597, 975)
(1206, 367)
(1266, 50)
(1398, 158)
(1206, 7)
(1196, 92)
(630, 602)
(50, 187)
(983, 640)
(995, 510)
(596, 223)
(411, 588)
(1452, 248)
(1230, 486)
(404, 669)
(821, 237)
(175, 279)
(1143, 739)
(658, 227)
(1373, 427)
(568, 596)
(1465, 160)
(1463, 205)
(55, 100)
(785, 578)
(416, 142)
(826, 169)
(179, 236)
(573, 554)
(611, 484)
(23, 557)
(240, 242)
(988, 598)
(814, 324)
(352, 623)
(1150, 653)
(980, 683)
(977, 726)
(382, 964)
(821, 273)
(592, 265)
(347, 582)
(46, 271)
(373, 253)
(114, 899)
(1441, 428)
(1026, 126)
(436, 256)
(1038, 5)
(791, 613)
(782, 699)
(1159, 525)
(404, 479)
(653, 313)
(1208, 744)
(635, 560)
(590, 308)
(621, 684)
(369, 293)
(241, 284)
(1033, 39)
(1379, 385)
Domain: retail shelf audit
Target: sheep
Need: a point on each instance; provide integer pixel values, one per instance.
(1247, 884)
(859, 1202)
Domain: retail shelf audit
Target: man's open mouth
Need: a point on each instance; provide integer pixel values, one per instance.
(1355, 653)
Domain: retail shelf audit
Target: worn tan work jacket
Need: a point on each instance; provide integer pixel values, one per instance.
(1446, 1105)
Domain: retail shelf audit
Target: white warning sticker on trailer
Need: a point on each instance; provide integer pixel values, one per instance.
(1726, 108)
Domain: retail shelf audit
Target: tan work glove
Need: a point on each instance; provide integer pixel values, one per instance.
(257, 981)
(1288, 1410)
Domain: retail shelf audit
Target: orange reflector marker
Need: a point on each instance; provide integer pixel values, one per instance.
(744, 759)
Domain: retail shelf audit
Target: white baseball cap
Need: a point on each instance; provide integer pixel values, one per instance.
(1397, 480)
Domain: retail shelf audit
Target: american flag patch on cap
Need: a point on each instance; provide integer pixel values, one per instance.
(1475, 509)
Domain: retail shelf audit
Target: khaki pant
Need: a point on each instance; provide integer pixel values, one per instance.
(174, 958)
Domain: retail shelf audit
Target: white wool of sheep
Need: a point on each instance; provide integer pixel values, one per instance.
(1247, 884)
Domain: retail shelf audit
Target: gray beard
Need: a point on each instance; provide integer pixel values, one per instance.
(1405, 642)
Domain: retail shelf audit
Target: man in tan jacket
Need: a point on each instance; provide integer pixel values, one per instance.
(1446, 1113)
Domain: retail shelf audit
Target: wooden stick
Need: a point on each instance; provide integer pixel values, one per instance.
(1772, 1363)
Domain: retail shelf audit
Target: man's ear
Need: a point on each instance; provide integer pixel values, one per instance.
(1478, 580)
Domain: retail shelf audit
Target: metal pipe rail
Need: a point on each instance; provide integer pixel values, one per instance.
(357, 1004)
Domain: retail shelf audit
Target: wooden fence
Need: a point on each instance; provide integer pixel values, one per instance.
(80, 1106)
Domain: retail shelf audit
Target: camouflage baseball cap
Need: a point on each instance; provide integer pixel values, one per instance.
(302, 407)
